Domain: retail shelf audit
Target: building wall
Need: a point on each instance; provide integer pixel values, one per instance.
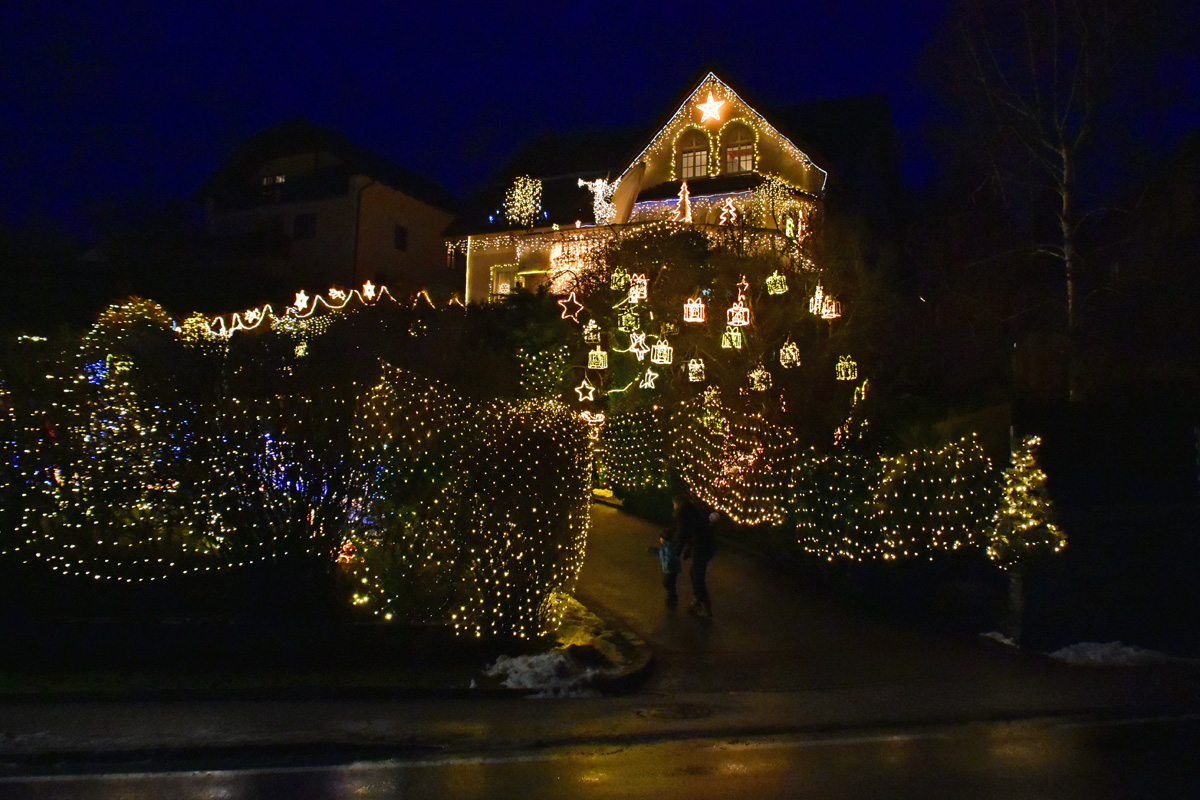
(423, 262)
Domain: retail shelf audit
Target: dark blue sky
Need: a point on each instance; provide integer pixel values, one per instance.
(107, 103)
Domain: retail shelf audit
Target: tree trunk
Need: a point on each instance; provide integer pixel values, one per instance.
(1071, 266)
(1016, 604)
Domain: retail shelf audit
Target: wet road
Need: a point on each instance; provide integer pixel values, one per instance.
(1150, 759)
(766, 634)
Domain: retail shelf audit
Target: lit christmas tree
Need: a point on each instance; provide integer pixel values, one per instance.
(1023, 525)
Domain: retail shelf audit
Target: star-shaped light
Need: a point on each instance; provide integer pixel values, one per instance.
(710, 109)
(586, 388)
(301, 300)
(638, 346)
(743, 287)
(566, 304)
(648, 379)
(369, 290)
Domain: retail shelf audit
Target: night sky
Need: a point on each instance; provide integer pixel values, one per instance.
(110, 105)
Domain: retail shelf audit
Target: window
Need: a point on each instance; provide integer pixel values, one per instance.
(400, 238)
(304, 226)
(693, 155)
(739, 150)
(271, 180)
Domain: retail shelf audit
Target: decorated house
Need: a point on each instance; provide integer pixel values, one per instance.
(715, 162)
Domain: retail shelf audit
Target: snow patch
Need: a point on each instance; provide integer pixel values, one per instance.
(997, 636)
(556, 674)
(1114, 654)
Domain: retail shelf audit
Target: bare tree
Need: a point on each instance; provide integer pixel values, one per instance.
(1041, 77)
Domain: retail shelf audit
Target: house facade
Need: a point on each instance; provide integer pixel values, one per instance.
(715, 162)
(304, 203)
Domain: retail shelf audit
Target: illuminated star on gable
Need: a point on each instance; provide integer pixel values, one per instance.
(301, 300)
(710, 109)
(648, 379)
(566, 304)
(637, 345)
(586, 388)
(369, 290)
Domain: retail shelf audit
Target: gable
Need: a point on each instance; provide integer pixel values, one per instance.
(711, 113)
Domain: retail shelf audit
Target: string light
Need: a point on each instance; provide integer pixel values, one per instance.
(597, 358)
(693, 310)
(846, 369)
(523, 202)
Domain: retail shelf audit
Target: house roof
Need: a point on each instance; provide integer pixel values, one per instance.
(853, 138)
(559, 161)
(299, 136)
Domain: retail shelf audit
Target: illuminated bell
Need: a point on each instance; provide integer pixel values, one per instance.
(732, 338)
(776, 284)
(597, 359)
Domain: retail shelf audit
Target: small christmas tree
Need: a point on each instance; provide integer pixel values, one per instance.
(1022, 526)
(683, 211)
(1024, 522)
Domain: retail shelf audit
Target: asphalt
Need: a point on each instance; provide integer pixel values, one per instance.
(772, 660)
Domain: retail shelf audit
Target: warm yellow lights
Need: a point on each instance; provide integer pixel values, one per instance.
(846, 369)
(693, 310)
(523, 202)
(710, 109)
(597, 358)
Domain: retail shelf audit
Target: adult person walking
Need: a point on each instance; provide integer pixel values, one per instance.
(694, 540)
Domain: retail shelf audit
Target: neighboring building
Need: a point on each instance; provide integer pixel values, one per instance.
(538, 223)
(304, 203)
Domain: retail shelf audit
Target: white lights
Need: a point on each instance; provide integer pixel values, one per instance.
(711, 108)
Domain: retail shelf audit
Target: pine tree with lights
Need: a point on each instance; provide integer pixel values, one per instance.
(1023, 526)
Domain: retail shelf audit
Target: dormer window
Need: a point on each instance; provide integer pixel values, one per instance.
(739, 149)
(693, 155)
(271, 180)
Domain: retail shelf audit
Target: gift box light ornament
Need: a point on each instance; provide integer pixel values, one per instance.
(637, 287)
(591, 332)
(776, 283)
(738, 315)
(695, 370)
(693, 310)
(760, 379)
(662, 353)
(628, 321)
(789, 355)
(619, 280)
(597, 358)
(732, 338)
(847, 370)
(830, 308)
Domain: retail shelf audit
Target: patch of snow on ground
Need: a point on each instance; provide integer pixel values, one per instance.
(556, 674)
(997, 636)
(1113, 654)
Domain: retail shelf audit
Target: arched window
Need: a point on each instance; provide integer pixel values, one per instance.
(739, 149)
(693, 155)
